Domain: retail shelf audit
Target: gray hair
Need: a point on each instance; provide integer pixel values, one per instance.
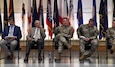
(36, 21)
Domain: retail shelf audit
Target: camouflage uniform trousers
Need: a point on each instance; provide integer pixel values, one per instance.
(112, 41)
(61, 40)
(94, 45)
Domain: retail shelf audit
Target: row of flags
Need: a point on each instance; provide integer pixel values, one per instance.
(6, 15)
(49, 18)
(34, 13)
(60, 10)
(103, 14)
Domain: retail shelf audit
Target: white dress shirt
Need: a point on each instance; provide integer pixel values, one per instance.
(11, 31)
(37, 34)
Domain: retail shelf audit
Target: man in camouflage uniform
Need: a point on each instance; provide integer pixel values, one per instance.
(62, 35)
(87, 34)
(111, 36)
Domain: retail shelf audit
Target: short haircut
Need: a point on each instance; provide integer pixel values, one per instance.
(36, 21)
(113, 20)
(65, 18)
(11, 18)
(92, 20)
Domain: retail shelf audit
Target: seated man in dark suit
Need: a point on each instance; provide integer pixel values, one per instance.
(35, 36)
(11, 35)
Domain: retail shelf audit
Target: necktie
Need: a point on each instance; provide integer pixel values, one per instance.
(11, 31)
(37, 34)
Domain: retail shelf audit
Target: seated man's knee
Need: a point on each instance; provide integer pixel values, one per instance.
(14, 42)
(94, 42)
(81, 41)
(30, 42)
(40, 41)
(63, 40)
(2, 42)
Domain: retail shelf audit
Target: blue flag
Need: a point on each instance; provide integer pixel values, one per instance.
(94, 13)
(79, 13)
(103, 18)
(34, 13)
(55, 15)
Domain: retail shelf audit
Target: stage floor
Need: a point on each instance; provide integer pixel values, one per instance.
(93, 61)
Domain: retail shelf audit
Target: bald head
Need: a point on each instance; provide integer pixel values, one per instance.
(37, 23)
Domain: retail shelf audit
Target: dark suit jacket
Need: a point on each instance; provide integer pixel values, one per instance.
(32, 31)
(42, 32)
(17, 32)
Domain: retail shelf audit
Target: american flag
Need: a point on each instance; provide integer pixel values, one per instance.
(49, 18)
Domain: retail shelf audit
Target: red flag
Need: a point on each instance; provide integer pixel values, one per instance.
(60, 11)
(11, 9)
(63, 10)
(49, 18)
(29, 14)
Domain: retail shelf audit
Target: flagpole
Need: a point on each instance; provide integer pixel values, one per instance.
(23, 18)
(52, 18)
(0, 32)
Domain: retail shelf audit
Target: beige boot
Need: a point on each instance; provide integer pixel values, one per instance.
(58, 56)
(69, 46)
(82, 57)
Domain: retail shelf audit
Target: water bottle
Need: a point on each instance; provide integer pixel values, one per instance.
(34, 57)
(50, 56)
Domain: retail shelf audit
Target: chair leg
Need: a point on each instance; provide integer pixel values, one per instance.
(18, 56)
(70, 55)
(53, 48)
(43, 55)
(0, 53)
(106, 55)
(97, 54)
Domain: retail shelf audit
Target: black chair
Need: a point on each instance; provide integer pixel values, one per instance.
(108, 47)
(35, 47)
(88, 47)
(55, 47)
